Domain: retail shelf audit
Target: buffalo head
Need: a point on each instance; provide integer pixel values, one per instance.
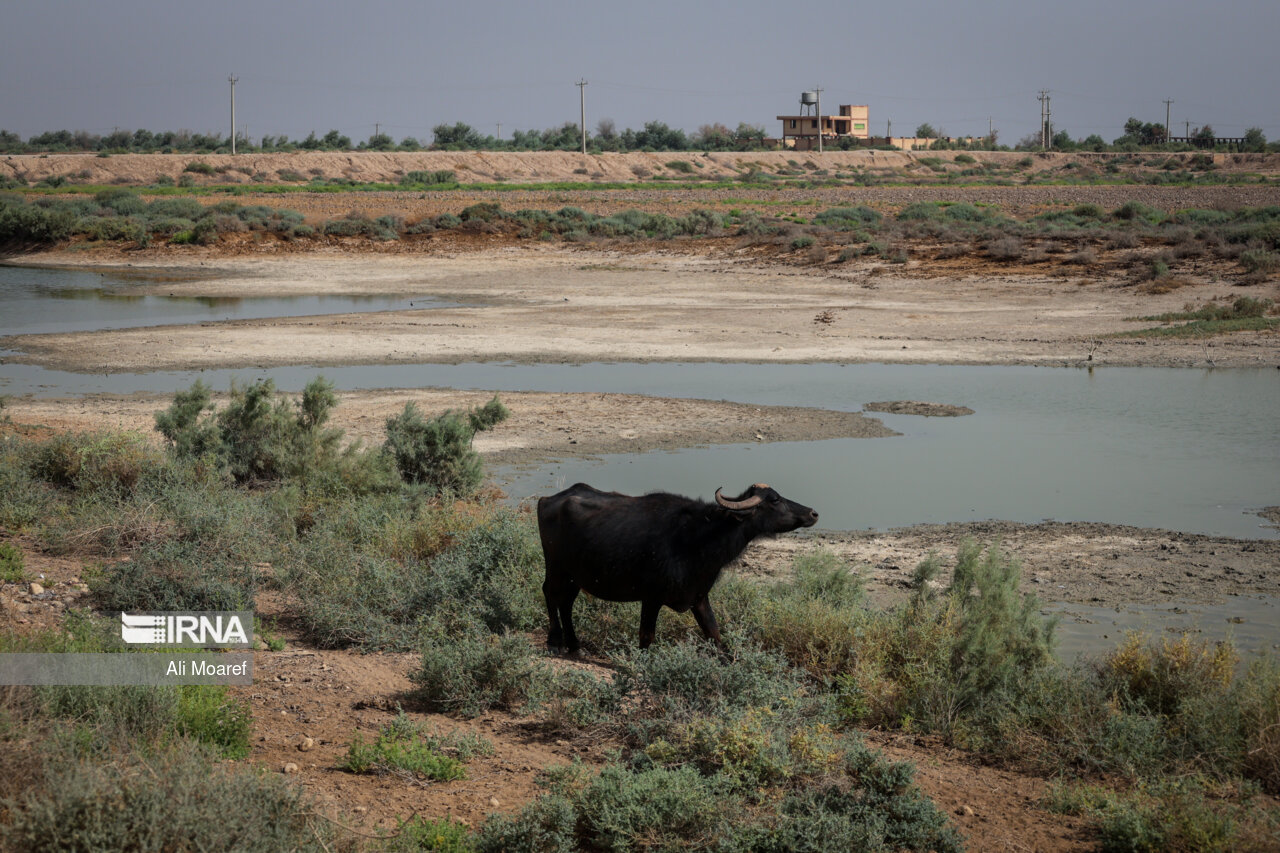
(768, 510)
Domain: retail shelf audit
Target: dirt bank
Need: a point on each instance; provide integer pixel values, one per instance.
(536, 167)
(530, 303)
(542, 426)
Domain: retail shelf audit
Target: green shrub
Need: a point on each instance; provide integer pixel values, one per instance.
(111, 716)
(375, 574)
(356, 224)
(1259, 261)
(1135, 210)
(870, 806)
(920, 210)
(11, 563)
(437, 452)
(145, 802)
(848, 218)
(199, 167)
(802, 242)
(123, 201)
(470, 673)
(484, 211)
(25, 223)
(402, 746)
(290, 175)
(255, 438)
(419, 834)
(683, 166)
(95, 462)
(427, 179)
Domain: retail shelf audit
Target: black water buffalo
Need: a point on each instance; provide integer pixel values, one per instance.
(656, 549)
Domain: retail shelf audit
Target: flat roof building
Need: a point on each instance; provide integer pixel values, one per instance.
(801, 131)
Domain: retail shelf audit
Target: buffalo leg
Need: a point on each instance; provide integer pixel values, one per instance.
(560, 598)
(706, 620)
(566, 617)
(648, 622)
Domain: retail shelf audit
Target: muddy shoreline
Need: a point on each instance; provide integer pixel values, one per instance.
(538, 304)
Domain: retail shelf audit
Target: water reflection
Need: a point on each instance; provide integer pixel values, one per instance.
(39, 300)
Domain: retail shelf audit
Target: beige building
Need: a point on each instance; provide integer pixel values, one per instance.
(801, 131)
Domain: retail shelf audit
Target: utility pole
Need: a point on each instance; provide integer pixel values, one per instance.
(232, 80)
(1187, 133)
(1167, 102)
(1044, 119)
(377, 126)
(888, 131)
(818, 106)
(582, 105)
(499, 130)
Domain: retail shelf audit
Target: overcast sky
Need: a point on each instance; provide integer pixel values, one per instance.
(163, 64)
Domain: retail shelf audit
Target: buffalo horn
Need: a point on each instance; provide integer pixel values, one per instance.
(754, 500)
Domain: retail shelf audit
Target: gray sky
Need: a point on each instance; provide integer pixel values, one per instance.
(163, 64)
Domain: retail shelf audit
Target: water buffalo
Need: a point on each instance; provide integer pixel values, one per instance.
(656, 549)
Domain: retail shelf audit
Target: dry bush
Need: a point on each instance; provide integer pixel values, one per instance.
(1005, 249)
(1083, 256)
(1123, 240)
(1164, 284)
(953, 250)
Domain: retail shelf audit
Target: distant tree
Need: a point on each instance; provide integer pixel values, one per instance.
(11, 143)
(656, 136)
(1093, 142)
(457, 136)
(566, 137)
(1255, 139)
(379, 142)
(606, 129)
(334, 141)
(1062, 141)
(410, 143)
(714, 137)
(1139, 132)
(750, 134)
(1031, 142)
(926, 131)
(1204, 134)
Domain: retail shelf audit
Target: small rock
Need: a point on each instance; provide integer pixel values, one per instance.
(966, 811)
(80, 587)
(494, 802)
(259, 645)
(463, 821)
(36, 589)
(290, 768)
(360, 809)
(307, 744)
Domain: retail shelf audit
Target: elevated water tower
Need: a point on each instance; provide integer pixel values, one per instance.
(809, 103)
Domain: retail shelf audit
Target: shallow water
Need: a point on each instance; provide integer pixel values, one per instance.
(35, 300)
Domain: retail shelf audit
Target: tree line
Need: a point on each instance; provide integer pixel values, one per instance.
(653, 136)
